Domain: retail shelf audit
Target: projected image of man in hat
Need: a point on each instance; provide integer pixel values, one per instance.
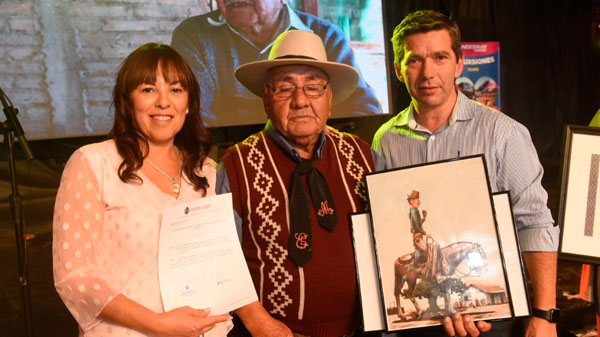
(241, 31)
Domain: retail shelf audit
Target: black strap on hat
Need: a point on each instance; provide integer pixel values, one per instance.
(283, 57)
(300, 222)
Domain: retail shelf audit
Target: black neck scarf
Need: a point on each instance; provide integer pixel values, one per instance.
(300, 222)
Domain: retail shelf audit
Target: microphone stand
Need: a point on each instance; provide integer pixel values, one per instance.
(9, 128)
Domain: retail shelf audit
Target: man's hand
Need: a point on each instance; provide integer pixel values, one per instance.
(539, 327)
(465, 326)
(271, 328)
(260, 324)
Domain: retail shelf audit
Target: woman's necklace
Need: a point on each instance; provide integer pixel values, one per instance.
(175, 187)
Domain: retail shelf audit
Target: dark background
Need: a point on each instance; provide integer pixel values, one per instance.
(550, 66)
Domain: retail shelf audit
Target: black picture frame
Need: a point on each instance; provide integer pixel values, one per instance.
(366, 264)
(463, 232)
(578, 203)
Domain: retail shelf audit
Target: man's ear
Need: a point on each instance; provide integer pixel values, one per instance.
(266, 106)
(398, 72)
(265, 98)
(330, 98)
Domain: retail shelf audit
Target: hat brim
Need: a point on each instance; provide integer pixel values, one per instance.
(342, 77)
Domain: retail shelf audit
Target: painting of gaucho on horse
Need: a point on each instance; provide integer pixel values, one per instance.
(436, 243)
(431, 271)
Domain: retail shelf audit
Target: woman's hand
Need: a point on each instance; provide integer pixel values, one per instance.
(180, 322)
(186, 322)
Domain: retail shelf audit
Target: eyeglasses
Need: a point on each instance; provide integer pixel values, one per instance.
(310, 90)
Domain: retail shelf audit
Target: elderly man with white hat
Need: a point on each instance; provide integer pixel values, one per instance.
(293, 186)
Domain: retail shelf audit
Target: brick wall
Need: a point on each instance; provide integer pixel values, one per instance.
(58, 58)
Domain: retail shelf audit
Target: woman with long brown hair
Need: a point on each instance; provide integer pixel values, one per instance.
(112, 194)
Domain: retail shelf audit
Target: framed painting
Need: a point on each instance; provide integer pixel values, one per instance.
(579, 200)
(366, 272)
(366, 265)
(436, 243)
(511, 252)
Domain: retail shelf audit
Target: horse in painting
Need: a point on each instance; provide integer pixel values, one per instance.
(408, 270)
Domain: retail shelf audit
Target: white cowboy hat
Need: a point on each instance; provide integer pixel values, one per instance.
(299, 47)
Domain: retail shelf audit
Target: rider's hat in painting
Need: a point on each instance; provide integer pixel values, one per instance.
(413, 195)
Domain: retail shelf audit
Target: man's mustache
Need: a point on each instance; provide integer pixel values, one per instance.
(302, 114)
(237, 2)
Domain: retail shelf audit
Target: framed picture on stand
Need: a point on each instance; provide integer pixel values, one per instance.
(579, 211)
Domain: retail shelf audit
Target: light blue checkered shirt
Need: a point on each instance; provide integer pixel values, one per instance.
(511, 159)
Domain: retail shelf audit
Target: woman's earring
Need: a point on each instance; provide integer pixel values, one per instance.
(187, 111)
